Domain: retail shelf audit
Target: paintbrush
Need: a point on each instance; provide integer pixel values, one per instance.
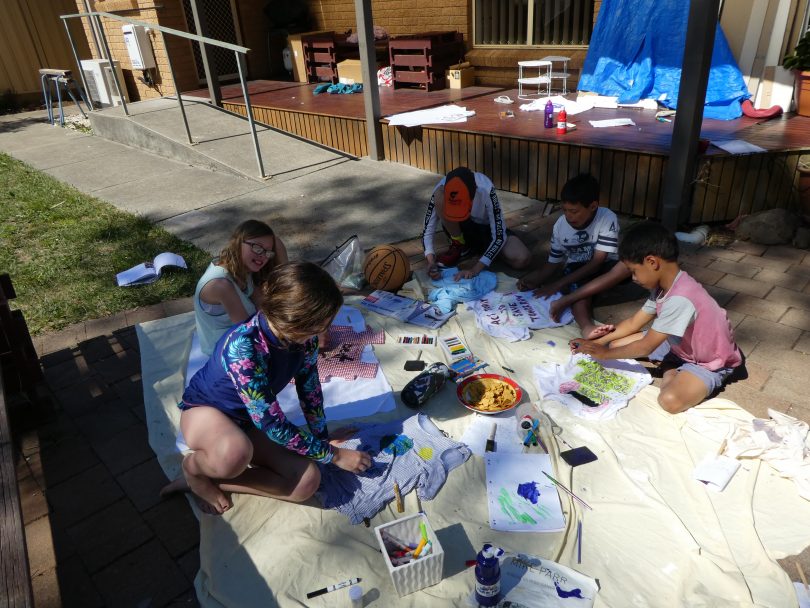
(490, 447)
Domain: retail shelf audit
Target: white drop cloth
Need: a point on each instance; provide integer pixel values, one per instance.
(655, 537)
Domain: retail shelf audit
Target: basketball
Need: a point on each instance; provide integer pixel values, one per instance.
(386, 267)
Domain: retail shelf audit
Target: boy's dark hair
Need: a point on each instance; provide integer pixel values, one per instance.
(582, 189)
(648, 238)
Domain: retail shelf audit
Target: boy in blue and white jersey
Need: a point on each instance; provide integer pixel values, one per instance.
(583, 258)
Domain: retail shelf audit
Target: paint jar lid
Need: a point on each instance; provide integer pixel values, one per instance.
(355, 593)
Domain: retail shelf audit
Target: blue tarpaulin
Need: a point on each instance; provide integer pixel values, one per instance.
(636, 52)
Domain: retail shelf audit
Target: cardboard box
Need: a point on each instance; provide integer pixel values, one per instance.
(460, 76)
(297, 52)
(349, 71)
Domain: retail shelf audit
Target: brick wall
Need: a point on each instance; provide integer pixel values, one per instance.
(396, 16)
(168, 13)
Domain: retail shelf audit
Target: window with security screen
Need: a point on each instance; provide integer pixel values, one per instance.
(532, 22)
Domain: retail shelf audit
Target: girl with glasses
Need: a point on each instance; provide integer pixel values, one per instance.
(231, 419)
(227, 292)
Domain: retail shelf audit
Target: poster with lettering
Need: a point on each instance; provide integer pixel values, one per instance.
(527, 580)
(511, 315)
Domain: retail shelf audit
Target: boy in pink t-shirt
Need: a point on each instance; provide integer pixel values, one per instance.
(690, 332)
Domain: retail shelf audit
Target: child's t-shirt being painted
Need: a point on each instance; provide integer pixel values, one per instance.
(411, 452)
(697, 327)
(576, 245)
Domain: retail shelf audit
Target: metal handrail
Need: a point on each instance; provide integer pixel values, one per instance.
(239, 52)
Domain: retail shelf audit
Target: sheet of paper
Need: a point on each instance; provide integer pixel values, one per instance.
(716, 471)
(527, 580)
(521, 498)
(444, 114)
(612, 122)
(507, 439)
(802, 595)
(738, 146)
(350, 316)
(404, 309)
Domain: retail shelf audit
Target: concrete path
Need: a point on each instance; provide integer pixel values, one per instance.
(97, 534)
(320, 207)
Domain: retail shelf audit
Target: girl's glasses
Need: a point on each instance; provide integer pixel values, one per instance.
(259, 250)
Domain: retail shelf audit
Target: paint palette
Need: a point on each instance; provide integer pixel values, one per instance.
(489, 393)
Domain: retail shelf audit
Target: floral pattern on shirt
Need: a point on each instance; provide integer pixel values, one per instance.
(246, 360)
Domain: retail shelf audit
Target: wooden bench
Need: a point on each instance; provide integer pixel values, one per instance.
(15, 580)
(19, 371)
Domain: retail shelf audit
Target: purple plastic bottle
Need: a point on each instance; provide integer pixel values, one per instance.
(488, 576)
(548, 118)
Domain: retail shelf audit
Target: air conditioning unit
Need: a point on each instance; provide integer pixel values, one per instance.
(100, 82)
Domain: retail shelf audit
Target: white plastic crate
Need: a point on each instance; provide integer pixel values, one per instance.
(419, 573)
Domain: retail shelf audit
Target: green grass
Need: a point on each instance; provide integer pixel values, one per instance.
(63, 250)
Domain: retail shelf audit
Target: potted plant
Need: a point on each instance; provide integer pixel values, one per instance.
(799, 62)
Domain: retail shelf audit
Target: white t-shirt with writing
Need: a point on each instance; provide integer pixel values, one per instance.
(572, 245)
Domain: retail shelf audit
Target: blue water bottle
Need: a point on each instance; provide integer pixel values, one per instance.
(548, 117)
(488, 576)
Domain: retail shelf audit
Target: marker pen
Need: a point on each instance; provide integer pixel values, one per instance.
(335, 587)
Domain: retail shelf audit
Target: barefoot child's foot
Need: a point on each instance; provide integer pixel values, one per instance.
(592, 332)
(205, 489)
(180, 485)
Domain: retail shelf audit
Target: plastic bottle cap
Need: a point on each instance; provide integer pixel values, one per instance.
(355, 593)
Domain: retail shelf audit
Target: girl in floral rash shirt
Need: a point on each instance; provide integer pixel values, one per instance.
(231, 417)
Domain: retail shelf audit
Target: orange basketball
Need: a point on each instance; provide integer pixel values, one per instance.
(386, 267)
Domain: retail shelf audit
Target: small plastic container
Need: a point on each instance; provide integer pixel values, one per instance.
(419, 573)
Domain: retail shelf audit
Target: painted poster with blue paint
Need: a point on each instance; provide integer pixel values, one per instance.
(527, 581)
(521, 498)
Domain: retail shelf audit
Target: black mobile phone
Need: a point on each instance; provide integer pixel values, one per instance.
(578, 456)
(583, 399)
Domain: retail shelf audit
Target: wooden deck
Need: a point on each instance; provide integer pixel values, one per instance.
(520, 155)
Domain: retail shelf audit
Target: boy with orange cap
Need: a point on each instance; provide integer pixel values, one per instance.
(467, 206)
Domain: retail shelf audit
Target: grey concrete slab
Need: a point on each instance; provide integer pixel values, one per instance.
(189, 186)
(65, 151)
(225, 137)
(26, 135)
(125, 166)
(381, 202)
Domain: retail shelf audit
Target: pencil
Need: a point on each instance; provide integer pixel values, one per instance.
(579, 541)
(803, 577)
(722, 447)
(567, 491)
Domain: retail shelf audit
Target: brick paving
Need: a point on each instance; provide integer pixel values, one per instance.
(97, 533)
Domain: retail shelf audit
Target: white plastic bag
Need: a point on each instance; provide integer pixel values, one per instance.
(345, 263)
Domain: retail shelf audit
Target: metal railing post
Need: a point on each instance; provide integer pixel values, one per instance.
(176, 89)
(78, 63)
(112, 65)
(240, 62)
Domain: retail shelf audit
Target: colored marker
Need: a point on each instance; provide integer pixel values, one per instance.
(335, 587)
(579, 541)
